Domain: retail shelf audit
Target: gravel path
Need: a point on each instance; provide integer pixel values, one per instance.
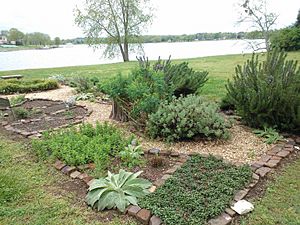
(243, 147)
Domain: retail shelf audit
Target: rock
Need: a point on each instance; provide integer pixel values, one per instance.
(274, 150)
(263, 171)
(230, 212)
(255, 176)
(82, 176)
(133, 210)
(265, 158)
(154, 151)
(143, 216)
(223, 219)
(155, 221)
(242, 207)
(152, 189)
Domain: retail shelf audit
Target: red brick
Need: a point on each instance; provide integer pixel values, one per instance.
(272, 163)
(82, 176)
(59, 165)
(283, 153)
(276, 157)
(265, 158)
(263, 171)
(133, 210)
(144, 216)
(230, 212)
(87, 179)
(241, 194)
(68, 169)
(274, 150)
(75, 174)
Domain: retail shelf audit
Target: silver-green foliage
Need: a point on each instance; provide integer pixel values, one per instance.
(117, 191)
(187, 117)
(131, 155)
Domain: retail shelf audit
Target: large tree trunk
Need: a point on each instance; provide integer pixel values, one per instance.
(117, 113)
(124, 52)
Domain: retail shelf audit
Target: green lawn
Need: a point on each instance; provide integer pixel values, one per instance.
(31, 192)
(220, 69)
(281, 203)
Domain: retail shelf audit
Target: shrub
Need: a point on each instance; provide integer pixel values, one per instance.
(186, 118)
(21, 113)
(77, 147)
(287, 39)
(117, 191)
(198, 191)
(267, 93)
(26, 86)
(226, 104)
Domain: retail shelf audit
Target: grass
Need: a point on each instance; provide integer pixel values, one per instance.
(30, 193)
(280, 205)
(220, 68)
(201, 189)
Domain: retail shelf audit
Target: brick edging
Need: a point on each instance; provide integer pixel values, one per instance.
(260, 169)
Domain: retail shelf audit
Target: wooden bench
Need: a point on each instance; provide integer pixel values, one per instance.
(5, 105)
(11, 77)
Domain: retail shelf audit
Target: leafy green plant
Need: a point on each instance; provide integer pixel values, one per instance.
(267, 93)
(200, 190)
(83, 145)
(131, 155)
(187, 117)
(26, 86)
(270, 135)
(17, 100)
(117, 191)
(59, 78)
(85, 96)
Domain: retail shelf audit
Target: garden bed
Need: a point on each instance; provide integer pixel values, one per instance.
(35, 116)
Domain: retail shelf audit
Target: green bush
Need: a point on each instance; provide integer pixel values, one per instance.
(187, 117)
(267, 93)
(200, 190)
(88, 144)
(26, 86)
(17, 100)
(287, 39)
(21, 113)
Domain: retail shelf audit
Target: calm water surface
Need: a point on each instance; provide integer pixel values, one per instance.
(83, 55)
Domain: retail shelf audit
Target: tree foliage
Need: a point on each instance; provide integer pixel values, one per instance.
(122, 21)
(267, 93)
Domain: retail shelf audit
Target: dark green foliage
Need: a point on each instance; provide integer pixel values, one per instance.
(26, 86)
(226, 104)
(77, 147)
(287, 39)
(184, 80)
(187, 117)
(201, 189)
(267, 93)
(81, 84)
(21, 113)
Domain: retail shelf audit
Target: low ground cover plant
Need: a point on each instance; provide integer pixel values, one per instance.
(267, 93)
(187, 117)
(201, 189)
(117, 191)
(26, 86)
(270, 135)
(84, 145)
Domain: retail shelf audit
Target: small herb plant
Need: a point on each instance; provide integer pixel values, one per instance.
(132, 155)
(270, 135)
(17, 100)
(198, 191)
(117, 191)
(21, 113)
(84, 145)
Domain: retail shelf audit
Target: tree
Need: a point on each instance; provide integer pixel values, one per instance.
(122, 21)
(15, 35)
(256, 13)
(57, 41)
(297, 24)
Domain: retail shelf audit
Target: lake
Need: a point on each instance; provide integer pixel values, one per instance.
(77, 55)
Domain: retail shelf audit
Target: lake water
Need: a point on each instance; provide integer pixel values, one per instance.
(83, 55)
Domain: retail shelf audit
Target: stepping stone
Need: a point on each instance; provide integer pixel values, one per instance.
(242, 207)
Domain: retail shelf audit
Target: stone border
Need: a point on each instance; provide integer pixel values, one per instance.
(38, 133)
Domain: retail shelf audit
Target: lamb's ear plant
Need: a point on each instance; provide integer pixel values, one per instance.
(117, 191)
(270, 135)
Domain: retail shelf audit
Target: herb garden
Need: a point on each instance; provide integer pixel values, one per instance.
(144, 159)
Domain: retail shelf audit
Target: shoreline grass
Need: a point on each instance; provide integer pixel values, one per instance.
(220, 68)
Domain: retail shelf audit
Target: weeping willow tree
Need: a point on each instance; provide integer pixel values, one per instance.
(121, 22)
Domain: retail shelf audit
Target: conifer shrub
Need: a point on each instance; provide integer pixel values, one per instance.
(267, 93)
(187, 117)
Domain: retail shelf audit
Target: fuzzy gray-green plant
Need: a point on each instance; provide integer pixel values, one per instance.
(187, 117)
(117, 191)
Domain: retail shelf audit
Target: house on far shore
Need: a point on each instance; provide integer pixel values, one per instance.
(3, 40)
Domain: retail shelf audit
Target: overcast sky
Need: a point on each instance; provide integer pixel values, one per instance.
(55, 17)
